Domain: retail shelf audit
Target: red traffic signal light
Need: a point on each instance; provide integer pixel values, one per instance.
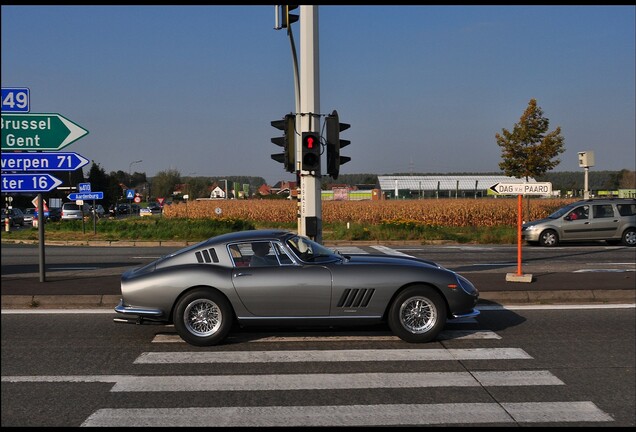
(311, 152)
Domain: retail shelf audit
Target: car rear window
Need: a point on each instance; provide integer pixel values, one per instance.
(71, 207)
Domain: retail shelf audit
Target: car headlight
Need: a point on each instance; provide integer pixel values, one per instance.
(530, 227)
(466, 285)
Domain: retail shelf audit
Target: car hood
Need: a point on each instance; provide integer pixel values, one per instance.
(389, 259)
(537, 222)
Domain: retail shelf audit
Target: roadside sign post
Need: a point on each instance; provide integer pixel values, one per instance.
(24, 136)
(521, 189)
(86, 194)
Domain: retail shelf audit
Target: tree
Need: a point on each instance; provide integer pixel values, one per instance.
(101, 182)
(529, 150)
(198, 188)
(165, 182)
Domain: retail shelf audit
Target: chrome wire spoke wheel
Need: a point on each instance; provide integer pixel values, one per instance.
(418, 314)
(202, 317)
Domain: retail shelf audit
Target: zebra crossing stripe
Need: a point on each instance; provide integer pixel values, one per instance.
(339, 381)
(388, 251)
(350, 415)
(332, 355)
(353, 250)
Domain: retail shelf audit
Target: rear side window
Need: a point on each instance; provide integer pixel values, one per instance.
(626, 209)
(603, 211)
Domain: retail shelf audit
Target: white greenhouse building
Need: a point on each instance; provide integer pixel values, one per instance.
(443, 186)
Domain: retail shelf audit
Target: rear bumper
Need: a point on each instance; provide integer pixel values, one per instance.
(131, 314)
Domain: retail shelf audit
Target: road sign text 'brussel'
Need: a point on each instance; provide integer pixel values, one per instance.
(43, 132)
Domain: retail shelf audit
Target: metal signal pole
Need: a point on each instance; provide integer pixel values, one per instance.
(310, 197)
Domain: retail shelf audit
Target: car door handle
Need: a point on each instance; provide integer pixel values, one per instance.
(242, 274)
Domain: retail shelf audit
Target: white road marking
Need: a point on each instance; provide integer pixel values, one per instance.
(350, 415)
(340, 381)
(346, 250)
(331, 355)
(388, 251)
(607, 270)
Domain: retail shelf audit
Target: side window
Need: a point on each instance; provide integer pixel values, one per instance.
(263, 255)
(602, 211)
(626, 209)
(579, 213)
(282, 255)
(237, 256)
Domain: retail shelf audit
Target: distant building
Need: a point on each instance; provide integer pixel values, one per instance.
(442, 186)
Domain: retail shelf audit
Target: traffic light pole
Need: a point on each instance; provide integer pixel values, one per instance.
(310, 198)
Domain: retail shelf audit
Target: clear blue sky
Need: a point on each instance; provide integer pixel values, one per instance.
(425, 88)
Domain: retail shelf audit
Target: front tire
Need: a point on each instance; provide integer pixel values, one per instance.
(549, 238)
(203, 317)
(417, 314)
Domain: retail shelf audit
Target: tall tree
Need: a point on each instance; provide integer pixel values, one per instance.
(530, 150)
(165, 182)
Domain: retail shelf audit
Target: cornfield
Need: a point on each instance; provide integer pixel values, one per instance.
(429, 212)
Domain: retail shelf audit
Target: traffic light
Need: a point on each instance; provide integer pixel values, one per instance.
(334, 144)
(285, 19)
(311, 152)
(287, 141)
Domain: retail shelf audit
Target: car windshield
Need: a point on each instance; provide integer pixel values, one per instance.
(560, 212)
(308, 250)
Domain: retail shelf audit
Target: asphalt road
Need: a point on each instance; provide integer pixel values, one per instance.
(88, 276)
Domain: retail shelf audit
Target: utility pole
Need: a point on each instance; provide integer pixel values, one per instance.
(310, 197)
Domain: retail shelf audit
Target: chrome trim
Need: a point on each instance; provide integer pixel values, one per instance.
(470, 314)
(131, 310)
(310, 317)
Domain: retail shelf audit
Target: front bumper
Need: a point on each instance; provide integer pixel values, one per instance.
(530, 235)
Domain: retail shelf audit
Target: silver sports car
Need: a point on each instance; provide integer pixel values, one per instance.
(272, 277)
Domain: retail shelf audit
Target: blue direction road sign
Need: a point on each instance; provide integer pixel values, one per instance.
(29, 183)
(87, 196)
(42, 161)
(15, 99)
(84, 187)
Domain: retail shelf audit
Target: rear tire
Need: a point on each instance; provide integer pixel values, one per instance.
(417, 314)
(549, 238)
(203, 317)
(629, 237)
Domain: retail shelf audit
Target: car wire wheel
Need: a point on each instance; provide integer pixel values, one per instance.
(418, 315)
(202, 317)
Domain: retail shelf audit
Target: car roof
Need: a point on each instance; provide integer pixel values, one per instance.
(249, 235)
(605, 201)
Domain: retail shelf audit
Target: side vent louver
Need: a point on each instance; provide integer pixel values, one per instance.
(355, 297)
(207, 255)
